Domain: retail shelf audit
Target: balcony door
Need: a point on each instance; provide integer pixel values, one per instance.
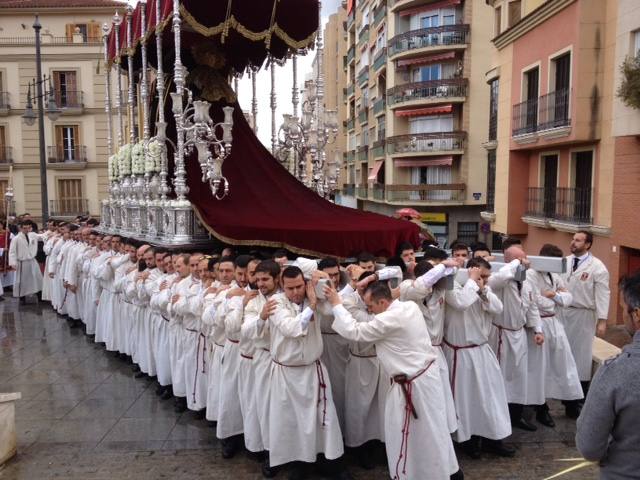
(69, 197)
(437, 175)
(67, 143)
(66, 88)
(562, 76)
(428, 72)
(532, 79)
(549, 184)
(432, 124)
(4, 157)
(580, 204)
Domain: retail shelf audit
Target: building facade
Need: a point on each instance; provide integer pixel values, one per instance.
(75, 142)
(416, 105)
(562, 149)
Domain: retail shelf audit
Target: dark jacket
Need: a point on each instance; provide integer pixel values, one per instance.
(609, 425)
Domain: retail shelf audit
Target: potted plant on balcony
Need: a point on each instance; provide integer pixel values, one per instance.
(629, 90)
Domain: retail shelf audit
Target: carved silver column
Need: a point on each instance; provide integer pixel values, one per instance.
(318, 158)
(177, 105)
(146, 133)
(161, 124)
(294, 90)
(254, 101)
(118, 210)
(274, 133)
(106, 209)
(133, 215)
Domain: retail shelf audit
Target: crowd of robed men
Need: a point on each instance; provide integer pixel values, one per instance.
(294, 361)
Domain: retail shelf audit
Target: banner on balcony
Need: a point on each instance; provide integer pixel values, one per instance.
(423, 162)
(415, 112)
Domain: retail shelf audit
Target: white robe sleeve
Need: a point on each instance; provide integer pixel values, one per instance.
(374, 330)
(13, 255)
(289, 325)
(601, 291)
(462, 297)
(499, 279)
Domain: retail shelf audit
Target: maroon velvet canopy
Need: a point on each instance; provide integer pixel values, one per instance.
(267, 206)
(245, 34)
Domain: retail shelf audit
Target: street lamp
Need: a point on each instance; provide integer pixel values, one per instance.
(29, 116)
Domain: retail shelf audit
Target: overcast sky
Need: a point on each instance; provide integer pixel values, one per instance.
(284, 84)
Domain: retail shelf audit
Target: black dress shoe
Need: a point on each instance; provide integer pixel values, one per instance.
(472, 447)
(543, 417)
(498, 447)
(365, 458)
(140, 374)
(268, 471)
(572, 410)
(299, 471)
(229, 447)
(180, 404)
(457, 476)
(523, 424)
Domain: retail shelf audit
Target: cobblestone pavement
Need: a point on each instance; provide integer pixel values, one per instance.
(83, 416)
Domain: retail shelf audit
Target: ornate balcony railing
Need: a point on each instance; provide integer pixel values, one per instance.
(427, 142)
(351, 156)
(571, 205)
(349, 189)
(363, 75)
(426, 193)
(431, 89)
(525, 117)
(363, 115)
(351, 54)
(69, 207)
(380, 59)
(49, 40)
(362, 191)
(351, 123)
(68, 98)
(363, 35)
(378, 148)
(363, 153)
(379, 105)
(379, 13)
(4, 101)
(448, 35)
(6, 156)
(554, 110)
(62, 154)
(378, 191)
(351, 89)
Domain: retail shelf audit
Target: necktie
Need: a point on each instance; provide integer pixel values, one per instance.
(576, 261)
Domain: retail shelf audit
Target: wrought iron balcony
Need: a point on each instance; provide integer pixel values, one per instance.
(351, 54)
(69, 98)
(363, 76)
(69, 207)
(379, 106)
(363, 35)
(363, 115)
(351, 124)
(362, 191)
(493, 127)
(363, 153)
(351, 18)
(379, 14)
(349, 189)
(62, 154)
(380, 60)
(378, 191)
(432, 90)
(6, 155)
(379, 148)
(4, 101)
(554, 110)
(351, 89)
(571, 205)
(421, 143)
(525, 117)
(448, 192)
(351, 156)
(444, 36)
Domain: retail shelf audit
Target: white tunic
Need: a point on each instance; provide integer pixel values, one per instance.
(552, 369)
(124, 325)
(176, 351)
(589, 287)
(146, 340)
(403, 348)
(71, 276)
(162, 338)
(366, 382)
(105, 311)
(508, 336)
(94, 291)
(476, 380)
(303, 420)
(47, 280)
(22, 257)
(57, 290)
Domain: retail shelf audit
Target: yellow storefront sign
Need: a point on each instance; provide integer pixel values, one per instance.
(433, 217)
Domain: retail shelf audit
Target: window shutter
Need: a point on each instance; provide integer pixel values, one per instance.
(95, 32)
(69, 28)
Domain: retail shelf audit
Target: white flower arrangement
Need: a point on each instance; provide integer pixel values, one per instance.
(154, 157)
(137, 159)
(113, 167)
(124, 160)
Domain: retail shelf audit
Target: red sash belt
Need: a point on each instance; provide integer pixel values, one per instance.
(362, 356)
(201, 337)
(550, 315)
(454, 370)
(406, 384)
(248, 357)
(500, 329)
(322, 385)
(233, 341)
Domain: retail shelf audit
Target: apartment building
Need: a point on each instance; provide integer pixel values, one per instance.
(562, 149)
(75, 141)
(416, 111)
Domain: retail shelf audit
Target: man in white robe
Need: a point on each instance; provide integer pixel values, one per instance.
(588, 283)
(55, 258)
(22, 259)
(105, 311)
(415, 414)
(229, 318)
(508, 336)
(145, 283)
(476, 380)
(48, 249)
(123, 321)
(160, 298)
(88, 286)
(71, 278)
(302, 417)
(258, 311)
(552, 369)
(94, 290)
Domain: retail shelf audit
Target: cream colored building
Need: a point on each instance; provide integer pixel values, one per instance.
(76, 142)
(417, 111)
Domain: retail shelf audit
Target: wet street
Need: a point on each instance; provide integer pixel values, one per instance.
(83, 415)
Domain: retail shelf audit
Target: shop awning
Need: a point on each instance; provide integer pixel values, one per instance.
(425, 111)
(429, 7)
(423, 162)
(373, 174)
(424, 60)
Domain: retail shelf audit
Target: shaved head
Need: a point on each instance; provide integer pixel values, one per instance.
(514, 252)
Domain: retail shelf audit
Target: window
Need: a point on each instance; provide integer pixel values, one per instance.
(66, 89)
(515, 12)
(67, 148)
(4, 151)
(554, 110)
(498, 20)
(493, 109)
(428, 72)
(491, 180)
(530, 91)
(635, 48)
(70, 201)
(468, 232)
(430, 124)
(549, 179)
(440, 175)
(431, 20)
(577, 204)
